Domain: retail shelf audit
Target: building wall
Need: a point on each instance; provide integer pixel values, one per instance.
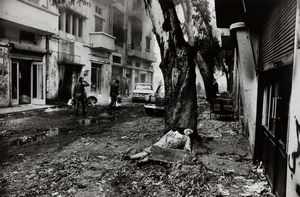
(53, 70)
(293, 149)
(105, 16)
(35, 16)
(248, 81)
(4, 76)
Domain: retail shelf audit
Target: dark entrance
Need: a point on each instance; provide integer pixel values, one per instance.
(69, 77)
(274, 97)
(25, 82)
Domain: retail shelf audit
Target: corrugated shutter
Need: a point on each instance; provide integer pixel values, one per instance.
(277, 36)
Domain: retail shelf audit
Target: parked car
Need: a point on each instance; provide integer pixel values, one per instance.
(140, 91)
(155, 103)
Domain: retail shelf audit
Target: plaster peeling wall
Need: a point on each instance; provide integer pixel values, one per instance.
(53, 72)
(4, 77)
(248, 82)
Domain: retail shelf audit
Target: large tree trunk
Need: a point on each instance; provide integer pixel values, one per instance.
(178, 65)
(207, 77)
(178, 68)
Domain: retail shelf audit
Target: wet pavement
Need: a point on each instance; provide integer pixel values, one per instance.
(54, 153)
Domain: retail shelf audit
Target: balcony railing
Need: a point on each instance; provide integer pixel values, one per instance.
(101, 40)
(138, 51)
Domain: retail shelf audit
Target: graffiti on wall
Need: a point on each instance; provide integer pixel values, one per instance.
(294, 156)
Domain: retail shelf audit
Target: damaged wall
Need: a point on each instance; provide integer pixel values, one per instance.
(4, 77)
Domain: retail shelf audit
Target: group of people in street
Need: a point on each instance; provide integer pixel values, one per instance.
(80, 96)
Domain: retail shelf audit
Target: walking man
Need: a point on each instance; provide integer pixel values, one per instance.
(79, 95)
(114, 92)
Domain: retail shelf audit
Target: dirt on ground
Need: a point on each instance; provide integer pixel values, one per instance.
(54, 153)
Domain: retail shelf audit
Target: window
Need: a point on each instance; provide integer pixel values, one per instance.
(148, 41)
(74, 30)
(68, 26)
(80, 27)
(98, 24)
(96, 78)
(27, 36)
(117, 59)
(118, 27)
(137, 64)
(129, 62)
(98, 10)
(275, 109)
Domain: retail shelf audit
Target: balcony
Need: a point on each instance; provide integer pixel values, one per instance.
(139, 52)
(30, 14)
(103, 41)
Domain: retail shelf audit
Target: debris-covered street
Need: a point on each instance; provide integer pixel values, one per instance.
(54, 153)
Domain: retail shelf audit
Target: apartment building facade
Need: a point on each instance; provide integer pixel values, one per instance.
(46, 47)
(134, 54)
(24, 42)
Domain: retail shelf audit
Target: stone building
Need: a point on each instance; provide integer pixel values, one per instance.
(44, 48)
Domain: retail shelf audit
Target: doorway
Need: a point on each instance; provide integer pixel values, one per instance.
(275, 97)
(27, 82)
(96, 78)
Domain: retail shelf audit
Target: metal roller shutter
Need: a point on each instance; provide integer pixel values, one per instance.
(278, 32)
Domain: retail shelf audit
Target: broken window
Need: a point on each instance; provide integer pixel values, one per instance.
(118, 27)
(136, 35)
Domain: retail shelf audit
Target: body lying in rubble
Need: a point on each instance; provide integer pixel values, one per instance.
(171, 140)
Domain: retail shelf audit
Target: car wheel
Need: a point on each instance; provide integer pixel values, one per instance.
(92, 101)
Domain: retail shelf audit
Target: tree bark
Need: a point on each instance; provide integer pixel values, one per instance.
(178, 66)
(178, 69)
(207, 77)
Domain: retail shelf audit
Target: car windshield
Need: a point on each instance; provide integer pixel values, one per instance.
(143, 86)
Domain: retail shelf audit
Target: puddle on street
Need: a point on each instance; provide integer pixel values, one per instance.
(6, 141)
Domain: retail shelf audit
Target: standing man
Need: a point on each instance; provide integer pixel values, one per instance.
(79, 95)
(114, 92)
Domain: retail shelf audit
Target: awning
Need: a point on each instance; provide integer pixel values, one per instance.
(30, 57)
(27, 52)
(27, 48)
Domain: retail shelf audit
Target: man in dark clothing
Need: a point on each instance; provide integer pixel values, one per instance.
(79, 95)
(215, 88)
(114, 92)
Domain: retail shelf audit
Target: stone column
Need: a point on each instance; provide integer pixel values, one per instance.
(248, 78)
